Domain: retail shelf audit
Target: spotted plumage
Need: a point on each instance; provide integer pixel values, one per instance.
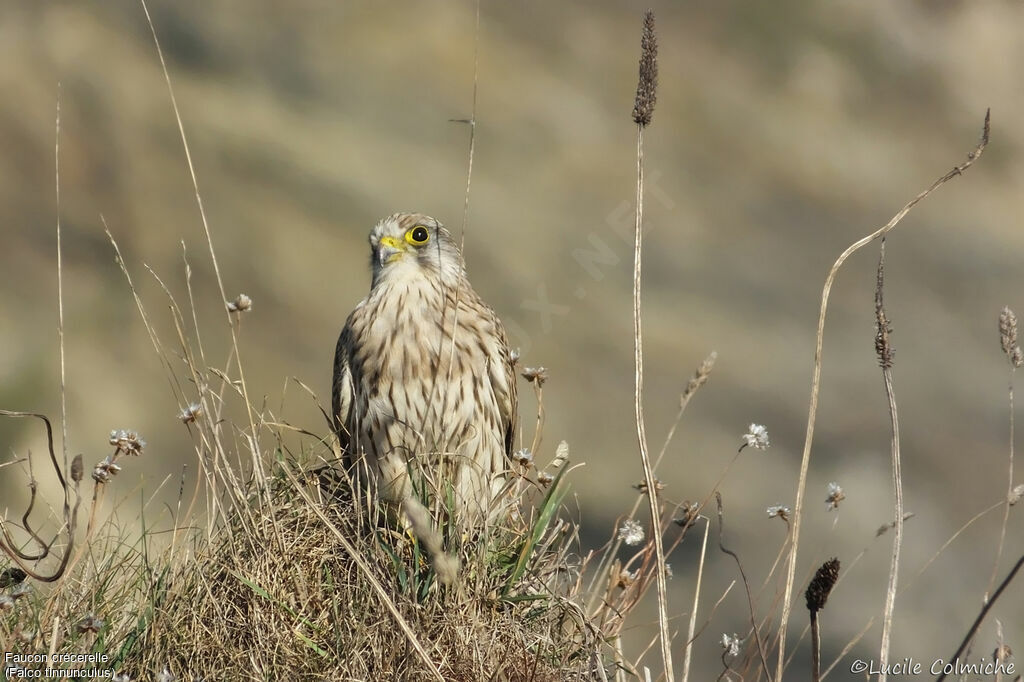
(423, 375)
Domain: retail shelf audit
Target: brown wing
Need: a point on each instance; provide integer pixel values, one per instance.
(508, 401)
(342, 393)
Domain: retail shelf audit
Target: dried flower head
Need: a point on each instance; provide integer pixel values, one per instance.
(191, 413)
(699, 378)
(669, 573)
(76, 469)
(778, 510)
(835, 496)
(126, 441)
(821, 585)
(647, 83)
(106, 469)
(689, 510)
(731, 645)
(1002, 653)
(642, 486)
(523, 457)
(756, 437)
(241, 304)
(513, 357)
(537, 375)
(1008, 337)
(544, 478)
(1016, 494)
(883, 347)
(89, 624)
(627, 578)
(631, 532)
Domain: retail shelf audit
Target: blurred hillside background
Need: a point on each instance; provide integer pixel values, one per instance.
(783, 132)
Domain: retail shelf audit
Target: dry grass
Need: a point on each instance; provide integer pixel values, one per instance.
(283, 597)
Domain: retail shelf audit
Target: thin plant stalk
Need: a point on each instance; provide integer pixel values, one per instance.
(1007, 503)
(652, 493)
(688, 651)
(1008, 340)
(60, 295)
(884, 351)
(643, 109)
(812, 410)
(815, 648)
(984, 612)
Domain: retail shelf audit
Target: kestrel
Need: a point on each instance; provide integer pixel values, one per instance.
(424, 389)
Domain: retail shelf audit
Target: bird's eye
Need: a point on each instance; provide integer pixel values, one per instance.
(417, 235)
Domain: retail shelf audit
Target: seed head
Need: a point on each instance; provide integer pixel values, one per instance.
(647, 83)
(523, 457)
(883, 348)
(731, 644)
(537, 375)
(778, 510)
(191, 413)
(631, 532)
(241, 304)
(756, 437)
(76, 469)
(105, 470)
(821, 585)
(690, 511)
(627, 578)
(699, 378)
(1008, 337)
(128, 442)
(835, 496)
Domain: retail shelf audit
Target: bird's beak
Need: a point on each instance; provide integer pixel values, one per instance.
(389, 250)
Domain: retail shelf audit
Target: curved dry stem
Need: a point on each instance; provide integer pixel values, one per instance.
(984, 611)
(746, 585)
(787, 602)
(70, 515)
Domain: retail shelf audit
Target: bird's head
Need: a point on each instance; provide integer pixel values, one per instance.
(411, 244)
